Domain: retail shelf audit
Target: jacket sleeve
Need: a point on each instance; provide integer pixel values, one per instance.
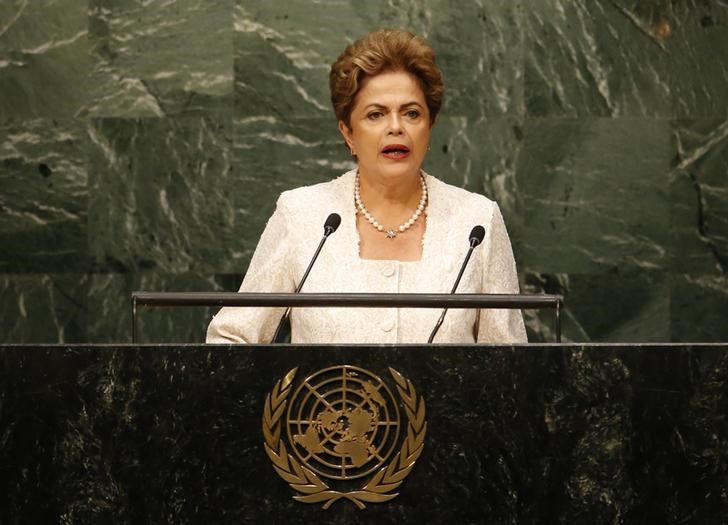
(269, 271)
(499, 277)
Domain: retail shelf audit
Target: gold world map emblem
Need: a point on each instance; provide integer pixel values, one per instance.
(342, 424)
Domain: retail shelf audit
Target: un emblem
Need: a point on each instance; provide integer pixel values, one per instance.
(343, 424)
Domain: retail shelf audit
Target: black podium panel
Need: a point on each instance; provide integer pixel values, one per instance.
(529, 434)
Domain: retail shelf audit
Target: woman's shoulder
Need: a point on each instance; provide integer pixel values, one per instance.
(330, 194)
(459, 200)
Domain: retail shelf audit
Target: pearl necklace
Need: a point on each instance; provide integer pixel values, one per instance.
(391, 233)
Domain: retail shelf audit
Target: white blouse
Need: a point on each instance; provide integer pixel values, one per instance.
(294, 231)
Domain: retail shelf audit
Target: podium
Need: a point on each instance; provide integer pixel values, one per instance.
(514, 434)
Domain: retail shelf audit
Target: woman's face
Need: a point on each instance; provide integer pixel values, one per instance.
(390, 126)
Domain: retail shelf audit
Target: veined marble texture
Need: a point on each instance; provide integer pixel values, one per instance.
(621, 305)
(160, 195)
(43, 196)
(597, 188)
(582, 434)
(159, 58)
(109, 293)
(43, 60)
(289, 47)
(699, 227)
(481, 156)
(44, 307)
(626, 58)
(144, 143)
(699, 195)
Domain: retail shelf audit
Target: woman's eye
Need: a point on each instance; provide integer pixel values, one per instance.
(374, 115)
(413, 114)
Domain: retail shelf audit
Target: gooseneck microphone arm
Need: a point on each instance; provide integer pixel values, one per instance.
(330, 226)
(476, 237)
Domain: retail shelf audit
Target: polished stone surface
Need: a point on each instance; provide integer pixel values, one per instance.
(159, 59)
(109, 293)
(636, 58)
(145, 143)
(531, 434)
(159, 195)
(578, 182)
(44, 196)
(43, 59)
(37, 308)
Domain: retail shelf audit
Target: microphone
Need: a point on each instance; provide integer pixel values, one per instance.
(330, 226)
(476, 237)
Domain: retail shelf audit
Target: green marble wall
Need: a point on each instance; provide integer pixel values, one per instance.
(142, 145)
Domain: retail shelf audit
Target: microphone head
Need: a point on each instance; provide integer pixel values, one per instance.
(332, 223)
(476, 235)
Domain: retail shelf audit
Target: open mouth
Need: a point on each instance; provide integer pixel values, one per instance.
(395, 151)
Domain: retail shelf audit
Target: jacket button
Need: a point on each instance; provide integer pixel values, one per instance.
(388, 270)
(388, 325)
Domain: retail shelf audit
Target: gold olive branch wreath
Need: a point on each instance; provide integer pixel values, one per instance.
(310, 487)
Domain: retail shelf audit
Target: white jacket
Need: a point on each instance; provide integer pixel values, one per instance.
(295, 229)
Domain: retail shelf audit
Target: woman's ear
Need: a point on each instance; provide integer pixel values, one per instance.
(346, 133)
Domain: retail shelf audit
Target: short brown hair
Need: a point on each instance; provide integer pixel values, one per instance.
(378, 52)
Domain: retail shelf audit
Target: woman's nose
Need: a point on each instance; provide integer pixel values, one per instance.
(395, 124)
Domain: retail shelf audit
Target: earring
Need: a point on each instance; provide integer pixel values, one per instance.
(351, 151)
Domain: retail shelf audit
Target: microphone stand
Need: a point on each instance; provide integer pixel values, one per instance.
(476, 237)
(332, 223)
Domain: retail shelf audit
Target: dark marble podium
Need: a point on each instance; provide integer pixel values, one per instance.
(529, 434)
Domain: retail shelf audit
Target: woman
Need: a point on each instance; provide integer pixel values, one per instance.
(401, 229)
